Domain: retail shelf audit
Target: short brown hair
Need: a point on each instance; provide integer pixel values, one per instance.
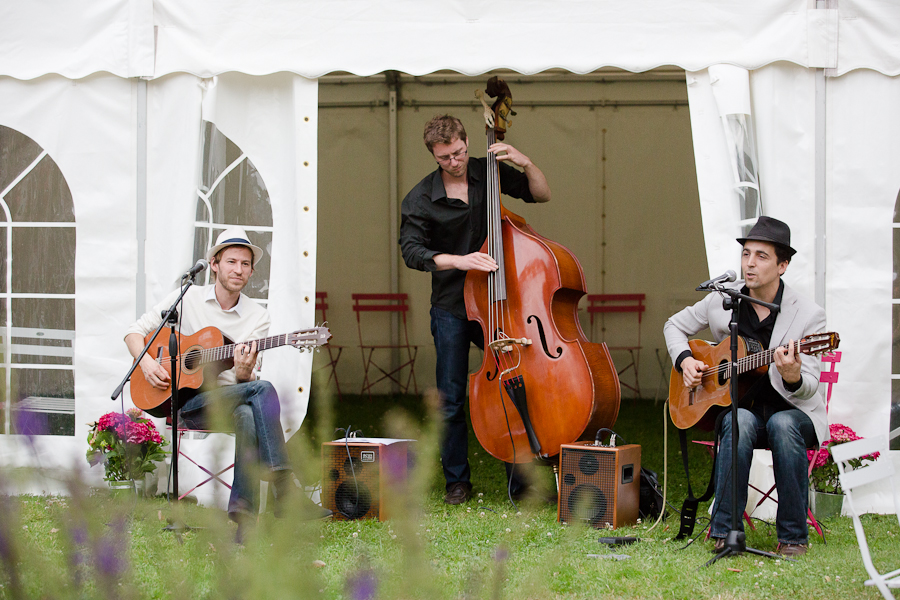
(443, 129)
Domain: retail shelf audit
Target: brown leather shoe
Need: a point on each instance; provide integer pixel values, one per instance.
(719, 545)
(458, 493)
(791, 550)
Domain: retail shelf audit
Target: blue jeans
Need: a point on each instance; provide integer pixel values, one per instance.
(259, 439)
(452, 339)
(788, 433)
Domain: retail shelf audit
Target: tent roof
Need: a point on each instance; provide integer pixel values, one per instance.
(152, 38)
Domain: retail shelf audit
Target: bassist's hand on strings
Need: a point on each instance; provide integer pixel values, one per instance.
(537, 182)
(692, 371)
(244, 361)
(476, 261)
(506, 152)
(787, 361)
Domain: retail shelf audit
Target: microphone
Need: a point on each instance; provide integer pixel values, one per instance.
(723, 278)
(197, 268)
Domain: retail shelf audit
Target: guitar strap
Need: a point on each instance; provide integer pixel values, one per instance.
(692, 503)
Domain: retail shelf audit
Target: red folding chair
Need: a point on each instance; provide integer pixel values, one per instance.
(365, 304)
(334, 350)
(621, 303)
(211, 475)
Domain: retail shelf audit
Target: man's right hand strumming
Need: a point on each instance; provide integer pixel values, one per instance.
(692, 371)
(154, 373)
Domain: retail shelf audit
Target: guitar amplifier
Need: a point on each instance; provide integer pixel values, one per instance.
(360, 474)
(599, 485)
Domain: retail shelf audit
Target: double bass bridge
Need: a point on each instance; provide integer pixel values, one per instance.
(507, 344)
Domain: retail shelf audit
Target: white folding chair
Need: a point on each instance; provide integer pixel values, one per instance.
(882, 470)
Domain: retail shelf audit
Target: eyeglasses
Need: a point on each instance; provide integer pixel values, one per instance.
(457, 156)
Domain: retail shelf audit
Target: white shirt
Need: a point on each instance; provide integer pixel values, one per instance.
(245, 321)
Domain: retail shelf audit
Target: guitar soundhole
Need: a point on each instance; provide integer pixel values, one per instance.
(192, 360)
(722, 374)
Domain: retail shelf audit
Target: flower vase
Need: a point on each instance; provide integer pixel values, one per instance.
(119, 489)
(140, 487)
(824, 504)
(151, 483)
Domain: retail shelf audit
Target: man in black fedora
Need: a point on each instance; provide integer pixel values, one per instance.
(784, 410)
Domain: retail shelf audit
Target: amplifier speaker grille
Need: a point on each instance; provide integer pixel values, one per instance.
(599, 486)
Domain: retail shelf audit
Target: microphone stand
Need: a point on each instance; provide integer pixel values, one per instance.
(735, 540)
(170, 318)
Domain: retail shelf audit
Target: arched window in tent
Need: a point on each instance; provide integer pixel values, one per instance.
(37, 290)
(232, 192)
(895, 335)
(739, 133)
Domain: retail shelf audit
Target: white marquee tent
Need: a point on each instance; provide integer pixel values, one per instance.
(115, 93)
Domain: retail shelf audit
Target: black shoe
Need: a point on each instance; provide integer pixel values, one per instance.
(458, 493)
(282, 483)
(310, 511)
(244, 526)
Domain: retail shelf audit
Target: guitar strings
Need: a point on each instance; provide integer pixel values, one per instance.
(746, 363)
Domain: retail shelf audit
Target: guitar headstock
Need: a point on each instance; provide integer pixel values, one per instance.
(820, 343)
(309, 339)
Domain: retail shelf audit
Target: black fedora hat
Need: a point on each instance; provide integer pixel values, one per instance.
(770, 230)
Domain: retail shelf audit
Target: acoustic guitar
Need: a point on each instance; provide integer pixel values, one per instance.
(687, 406)
(204, 355)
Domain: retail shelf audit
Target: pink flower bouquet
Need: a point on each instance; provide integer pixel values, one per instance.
(127, 443)
(824, 476)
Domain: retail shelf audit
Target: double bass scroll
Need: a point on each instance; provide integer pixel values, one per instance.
(542, 382)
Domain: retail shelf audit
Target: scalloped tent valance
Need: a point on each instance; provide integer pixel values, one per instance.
(152, 38)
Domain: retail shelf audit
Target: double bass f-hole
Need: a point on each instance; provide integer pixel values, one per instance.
(540, 327)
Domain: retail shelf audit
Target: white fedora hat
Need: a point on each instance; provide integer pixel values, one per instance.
(234, 236)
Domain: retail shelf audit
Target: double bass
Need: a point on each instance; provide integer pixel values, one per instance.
(542, 382)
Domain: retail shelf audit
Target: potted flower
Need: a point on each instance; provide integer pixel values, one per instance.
(826, 495)
(128, 444)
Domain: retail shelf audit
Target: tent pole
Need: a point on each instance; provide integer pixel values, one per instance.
(820, 157)
(141, 198)
(392, 79)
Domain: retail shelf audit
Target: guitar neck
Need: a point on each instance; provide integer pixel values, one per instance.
(226, 352)
(755, 361)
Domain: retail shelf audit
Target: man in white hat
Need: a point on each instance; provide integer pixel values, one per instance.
(252, 403)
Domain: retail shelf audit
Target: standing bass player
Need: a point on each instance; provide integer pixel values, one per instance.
(784, 410)
(443, 226)
(252, 404)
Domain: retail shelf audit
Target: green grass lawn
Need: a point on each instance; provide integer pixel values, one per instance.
(91, 545)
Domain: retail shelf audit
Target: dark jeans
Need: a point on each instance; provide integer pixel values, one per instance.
(259, 438)
(452, 339)
(788, 433)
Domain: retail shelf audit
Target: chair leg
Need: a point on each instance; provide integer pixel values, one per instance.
(811, 520)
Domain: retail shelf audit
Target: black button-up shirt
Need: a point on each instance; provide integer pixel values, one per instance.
(749, 326)
(432, 224)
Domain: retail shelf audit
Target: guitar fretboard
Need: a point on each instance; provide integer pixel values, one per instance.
(209, 355)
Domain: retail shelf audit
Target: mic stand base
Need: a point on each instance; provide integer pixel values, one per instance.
(735, 544)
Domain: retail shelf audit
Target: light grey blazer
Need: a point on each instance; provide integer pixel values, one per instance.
(798, 318)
